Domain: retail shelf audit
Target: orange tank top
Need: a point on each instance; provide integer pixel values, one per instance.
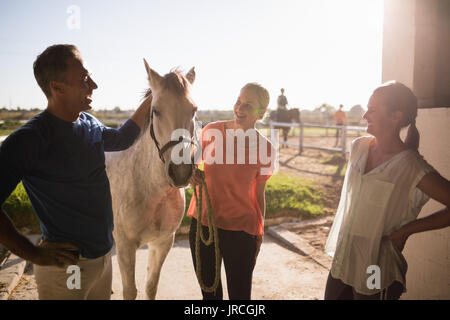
(232, 182)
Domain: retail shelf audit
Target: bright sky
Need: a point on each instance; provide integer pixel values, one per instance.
(318, 50)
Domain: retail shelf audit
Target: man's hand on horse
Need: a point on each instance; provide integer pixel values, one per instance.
(147, 103)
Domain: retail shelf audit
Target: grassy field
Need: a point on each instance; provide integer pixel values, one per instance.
(285, 195)
(19, 209)
(111, 120)
(309, 132)
(9, 126)
(5, 132)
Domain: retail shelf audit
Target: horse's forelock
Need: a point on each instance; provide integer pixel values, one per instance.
(175, 82)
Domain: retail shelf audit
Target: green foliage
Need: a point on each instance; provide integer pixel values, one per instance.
(9, 126)
(292, 195)
(19, 209)
(285, 195)
(339, 165)
(188, 193)
(18, 114)
(5, 132)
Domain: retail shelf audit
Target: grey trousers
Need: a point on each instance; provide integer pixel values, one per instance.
(95, 281)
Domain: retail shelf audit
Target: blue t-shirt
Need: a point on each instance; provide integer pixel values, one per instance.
(62, 167)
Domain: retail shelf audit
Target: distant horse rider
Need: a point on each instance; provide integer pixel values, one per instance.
(282, 101)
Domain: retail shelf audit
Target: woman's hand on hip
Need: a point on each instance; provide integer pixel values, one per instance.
(398, 238)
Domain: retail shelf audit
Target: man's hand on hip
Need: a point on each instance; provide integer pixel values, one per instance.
(60, 254)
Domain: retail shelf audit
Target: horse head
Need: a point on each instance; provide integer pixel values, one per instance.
(171, 123)
(294, 114)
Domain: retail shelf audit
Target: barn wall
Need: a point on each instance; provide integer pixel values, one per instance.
(416, 51)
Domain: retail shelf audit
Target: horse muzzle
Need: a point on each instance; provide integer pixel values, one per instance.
(178, 175)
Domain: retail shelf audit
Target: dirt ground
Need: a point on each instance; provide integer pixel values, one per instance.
(290, 276)
(326, 170)
(327, 174)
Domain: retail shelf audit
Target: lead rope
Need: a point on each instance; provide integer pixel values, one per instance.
(212, 237)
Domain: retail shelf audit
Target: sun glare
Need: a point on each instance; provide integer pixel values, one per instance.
(320, 51)
(333, 54)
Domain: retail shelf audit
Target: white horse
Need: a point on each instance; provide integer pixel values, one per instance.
(147, 186)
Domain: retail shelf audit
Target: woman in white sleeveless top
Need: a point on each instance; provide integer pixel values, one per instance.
(385, 187)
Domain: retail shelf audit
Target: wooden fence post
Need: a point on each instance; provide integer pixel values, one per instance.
(344, 139)
(270, 129)
(300, 146)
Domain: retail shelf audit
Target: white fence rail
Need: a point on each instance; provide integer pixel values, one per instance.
(301, 145)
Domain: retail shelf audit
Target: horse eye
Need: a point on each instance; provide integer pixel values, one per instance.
(156, 112)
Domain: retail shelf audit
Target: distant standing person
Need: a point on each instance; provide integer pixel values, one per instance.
(340, 120)
(282, 101)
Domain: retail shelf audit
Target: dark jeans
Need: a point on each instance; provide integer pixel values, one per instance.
(338, 135)
(238, 250)
(337, 290)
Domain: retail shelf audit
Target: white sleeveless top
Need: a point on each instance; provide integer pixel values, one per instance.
(373, 205)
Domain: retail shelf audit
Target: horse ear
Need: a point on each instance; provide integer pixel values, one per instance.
(191, 75)
(153, 77)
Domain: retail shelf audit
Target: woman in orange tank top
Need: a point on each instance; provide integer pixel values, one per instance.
(238, 160)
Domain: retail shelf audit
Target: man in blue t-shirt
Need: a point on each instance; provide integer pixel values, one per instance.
(59, 157)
